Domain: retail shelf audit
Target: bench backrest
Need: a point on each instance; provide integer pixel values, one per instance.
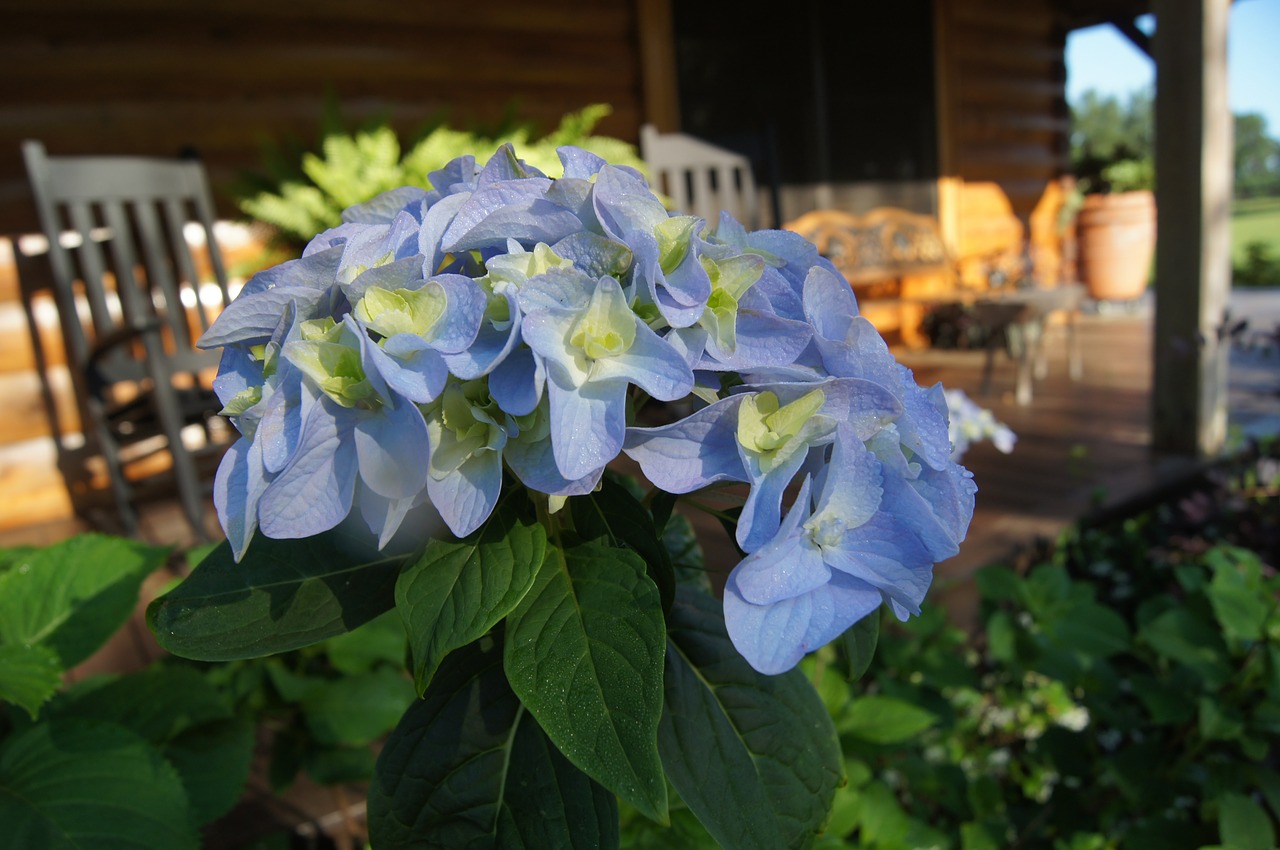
(883, 245)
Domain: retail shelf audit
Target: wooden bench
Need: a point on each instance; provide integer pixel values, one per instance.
(895, 260)
(900, 267)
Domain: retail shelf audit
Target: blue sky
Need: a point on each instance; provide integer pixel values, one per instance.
(1101, 58)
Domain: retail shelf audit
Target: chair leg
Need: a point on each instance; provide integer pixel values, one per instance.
(120, 491)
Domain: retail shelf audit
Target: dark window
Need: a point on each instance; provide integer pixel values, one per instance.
(812, 90)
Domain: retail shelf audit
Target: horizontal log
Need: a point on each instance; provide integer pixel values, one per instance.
(357, 72)
(477, 19)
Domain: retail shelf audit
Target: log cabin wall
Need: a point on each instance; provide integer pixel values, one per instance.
(1004, 129)
(226, 76)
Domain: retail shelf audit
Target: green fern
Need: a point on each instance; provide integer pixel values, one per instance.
(351, 169)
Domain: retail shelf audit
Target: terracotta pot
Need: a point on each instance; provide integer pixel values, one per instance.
(1117, 240)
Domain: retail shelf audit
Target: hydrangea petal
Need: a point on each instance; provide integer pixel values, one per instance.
(313, 493)
(466, 496)
(688, 455)
(237, 488)
(773, 638)
(391, 447)
(587, 424)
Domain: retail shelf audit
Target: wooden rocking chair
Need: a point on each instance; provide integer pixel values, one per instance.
(131, 302)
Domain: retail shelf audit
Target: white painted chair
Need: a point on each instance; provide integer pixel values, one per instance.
(132, 298)
(700, 178)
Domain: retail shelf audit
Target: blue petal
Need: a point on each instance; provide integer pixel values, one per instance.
(762, 511)
(237, 371)
(886, 555)
(280, 428)
(434, 224)
(313, 493)
(763, 341)
(624, 204)
(457, 327)
(578, 163)
(688, 455)
(788, 565)
(409, 366)
(404, 273)
(237, 488)
(466, 496)
(594, 254)
(852, 487)
(534, 463)
(391, 447)
(651, 364)
(383, 208)
(516, 383)
(829, 303)
(253, 318)
(773, 638)
(514, 209)
(587, 424)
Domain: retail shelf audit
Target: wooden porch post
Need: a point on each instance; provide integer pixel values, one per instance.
(1193, 251)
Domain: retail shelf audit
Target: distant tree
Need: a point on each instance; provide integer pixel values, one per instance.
(1257, 166)
(1106, 129)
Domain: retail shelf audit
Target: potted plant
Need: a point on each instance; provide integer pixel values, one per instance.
(1116, 230)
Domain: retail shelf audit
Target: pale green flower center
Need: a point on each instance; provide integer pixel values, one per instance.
(465, 424)
(769, 431)
(673, 235)
(607, 328)
(334, 366)
(826, 530)
(409, 311)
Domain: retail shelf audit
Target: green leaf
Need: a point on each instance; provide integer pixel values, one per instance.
(584, 651)
(882, 820)
(547, 802)
(213, 760)
(74, 595)
(998, 583)
(1243, 824)
(1180, 635)
(283, 595)
(181, 713)
(468, 767)
(29, 676)
(755, 757)
(1217, 723)
(379, 642)
(885, 720)
(156, 704)
(1090, 630)
(458, 590)
(859, 642)
(1239, 601)
(1268, 782)
(438, 779)
(357, 709)
(614, 515)
(84, 785)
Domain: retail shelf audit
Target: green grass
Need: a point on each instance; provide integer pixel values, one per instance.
(1254, 220)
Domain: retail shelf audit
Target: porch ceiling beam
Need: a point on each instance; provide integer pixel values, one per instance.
(1193, 248)
(1129, 29)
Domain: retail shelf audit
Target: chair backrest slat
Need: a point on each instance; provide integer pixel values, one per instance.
(683, 166)
(115, 228)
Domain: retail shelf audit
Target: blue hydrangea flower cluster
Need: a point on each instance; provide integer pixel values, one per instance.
(498, 323)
